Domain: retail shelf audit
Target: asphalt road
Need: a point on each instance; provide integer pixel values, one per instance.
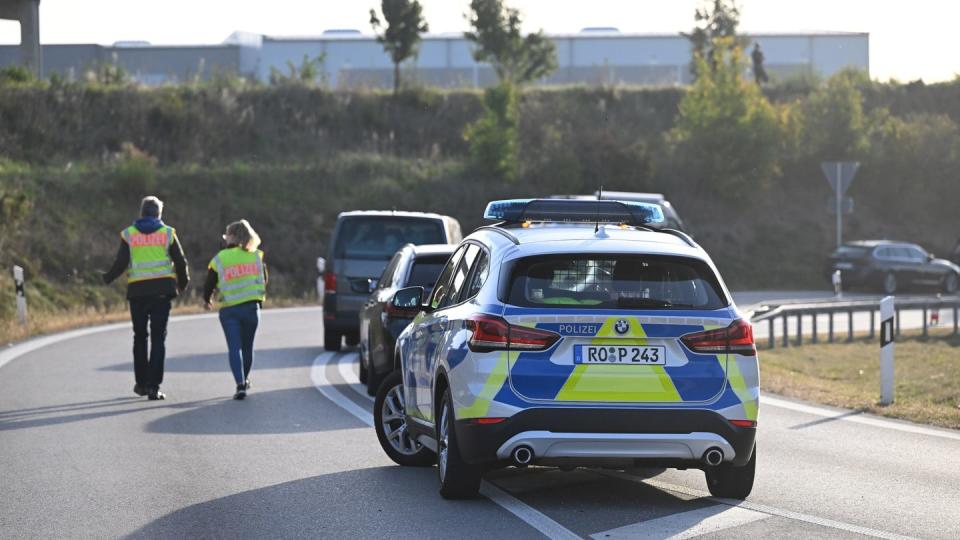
(81, 456)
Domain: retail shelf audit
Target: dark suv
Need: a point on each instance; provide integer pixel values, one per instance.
(363, 243)
(891, 267)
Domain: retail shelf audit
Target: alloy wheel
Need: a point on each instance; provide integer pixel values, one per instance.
(394, 423)
(444, 444)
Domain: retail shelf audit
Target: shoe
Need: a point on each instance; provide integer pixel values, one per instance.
(140, 390)
(246, 384)
(156, 395)
(241, 391)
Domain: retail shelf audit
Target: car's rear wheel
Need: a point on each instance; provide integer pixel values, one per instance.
(331, 340)
(950, 284)
(389, 419)
(732, 482)
(890, 283)
(364, 372)
(458, 479)
(374, 380)
(353, 339)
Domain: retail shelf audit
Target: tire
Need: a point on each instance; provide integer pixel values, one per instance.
(364, 372)
(402, 450)
(331, 340)
(373, 380)
(889, 284)
(950, 283)
(458, 479)
(731, 482)
(353, 339)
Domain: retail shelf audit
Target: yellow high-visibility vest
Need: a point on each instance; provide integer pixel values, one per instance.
(240, 276)
(149, 254)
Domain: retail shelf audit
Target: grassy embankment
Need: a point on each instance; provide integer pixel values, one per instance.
(927, 377)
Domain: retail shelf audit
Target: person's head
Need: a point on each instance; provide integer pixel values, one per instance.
(151, 206)
(241, 234)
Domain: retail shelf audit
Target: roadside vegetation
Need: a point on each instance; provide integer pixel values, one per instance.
(927, 377)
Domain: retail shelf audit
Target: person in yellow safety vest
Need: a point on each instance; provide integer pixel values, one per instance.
(156, 268)
(240, 276)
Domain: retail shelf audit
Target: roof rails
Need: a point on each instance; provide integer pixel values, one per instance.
(574, 211)
(496, 228)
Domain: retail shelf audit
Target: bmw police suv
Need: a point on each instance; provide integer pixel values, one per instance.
(573, 333)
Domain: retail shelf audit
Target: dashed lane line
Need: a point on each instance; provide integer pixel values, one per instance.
(691, 524)
(531, 516)
(756, 507)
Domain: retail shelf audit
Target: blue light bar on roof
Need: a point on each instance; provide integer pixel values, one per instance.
(574, 211)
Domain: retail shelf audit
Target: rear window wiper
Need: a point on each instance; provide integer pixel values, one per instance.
(648, 302)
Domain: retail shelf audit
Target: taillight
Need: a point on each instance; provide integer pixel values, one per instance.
(329, 282)
(736, 338)
(495, 334)
(744, 423)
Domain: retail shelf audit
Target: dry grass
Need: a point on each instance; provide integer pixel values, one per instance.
(927, 377)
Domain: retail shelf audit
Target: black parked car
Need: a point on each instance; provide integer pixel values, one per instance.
(380, 322)
(891, 267)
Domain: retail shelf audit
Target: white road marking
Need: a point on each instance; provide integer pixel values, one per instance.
(685, 524)
(756, 507)
(534, 518)
(345, 366)
(844, 416)
(16, 351)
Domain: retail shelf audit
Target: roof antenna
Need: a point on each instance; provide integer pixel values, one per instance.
(599, 198)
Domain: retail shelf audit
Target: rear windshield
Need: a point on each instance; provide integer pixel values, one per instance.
(851, 252)
(425, 271)
(379, 237)
(615, 282)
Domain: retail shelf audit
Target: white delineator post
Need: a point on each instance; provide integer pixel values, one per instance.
(887, 336)
(21, 298)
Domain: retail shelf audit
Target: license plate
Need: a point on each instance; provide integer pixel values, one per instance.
(843, 266)
(639, 355)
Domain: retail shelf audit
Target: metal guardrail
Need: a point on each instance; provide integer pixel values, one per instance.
(813, 310)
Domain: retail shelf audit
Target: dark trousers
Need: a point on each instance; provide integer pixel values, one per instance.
(149, 312)
(240, 327)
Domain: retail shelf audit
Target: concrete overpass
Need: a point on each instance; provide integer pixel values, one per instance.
(27, 13)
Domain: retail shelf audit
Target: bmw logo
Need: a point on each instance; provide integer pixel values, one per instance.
(622, 327)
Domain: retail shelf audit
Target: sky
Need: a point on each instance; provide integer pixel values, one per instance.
(909, 39)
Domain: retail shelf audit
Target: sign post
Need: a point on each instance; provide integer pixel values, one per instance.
(840, 175)
(887, 336)
(21, 298)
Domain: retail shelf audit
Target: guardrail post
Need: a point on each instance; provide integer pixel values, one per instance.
(814, 337)
(886, 350)
(786, 332)
(21, 296)
(849, 326)
(830, 331)
(956, 327)
(799, 329)
(773, 341)
(924, 321)
(872, 324)
(897, 320)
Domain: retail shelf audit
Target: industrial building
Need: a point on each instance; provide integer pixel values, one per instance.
(352, 59)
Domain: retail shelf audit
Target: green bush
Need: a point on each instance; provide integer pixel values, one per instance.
(493, 138)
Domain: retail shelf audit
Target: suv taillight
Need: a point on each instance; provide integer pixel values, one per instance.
(736, 338)
(329, 283)
(496, 334)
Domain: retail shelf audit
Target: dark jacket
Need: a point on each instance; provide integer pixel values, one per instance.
(168, 287)
(210, 285)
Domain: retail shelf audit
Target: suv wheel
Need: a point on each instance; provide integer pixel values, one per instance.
(331, 340)
(458, 479)
(731, 482)
(890, 283)
(363, 374)
(353, 339)
(389, 419)
(950, 284)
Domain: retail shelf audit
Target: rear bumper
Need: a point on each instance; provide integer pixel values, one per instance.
(341, 312)
(671, 437)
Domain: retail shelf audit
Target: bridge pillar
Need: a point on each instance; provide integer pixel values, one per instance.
(27, 13)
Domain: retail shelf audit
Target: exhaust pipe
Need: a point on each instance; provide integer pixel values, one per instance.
(522, 456)
(713, 456)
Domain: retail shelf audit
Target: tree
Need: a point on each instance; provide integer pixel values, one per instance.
(727, 131)
(401, 37)
(834, 124)
(715, 19)
(499, 41)
(305, 74)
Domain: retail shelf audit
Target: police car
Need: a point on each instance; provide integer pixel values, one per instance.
(573, 334)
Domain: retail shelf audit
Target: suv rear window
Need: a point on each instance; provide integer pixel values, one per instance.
(378, 238)
(851, 252)
(615, 282)
(425, 271)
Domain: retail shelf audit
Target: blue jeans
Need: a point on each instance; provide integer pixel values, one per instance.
(239, 327)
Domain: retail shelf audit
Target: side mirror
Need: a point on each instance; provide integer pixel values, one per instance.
(407, 301)
(931, 257)
(372, 284)
(321, 265)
